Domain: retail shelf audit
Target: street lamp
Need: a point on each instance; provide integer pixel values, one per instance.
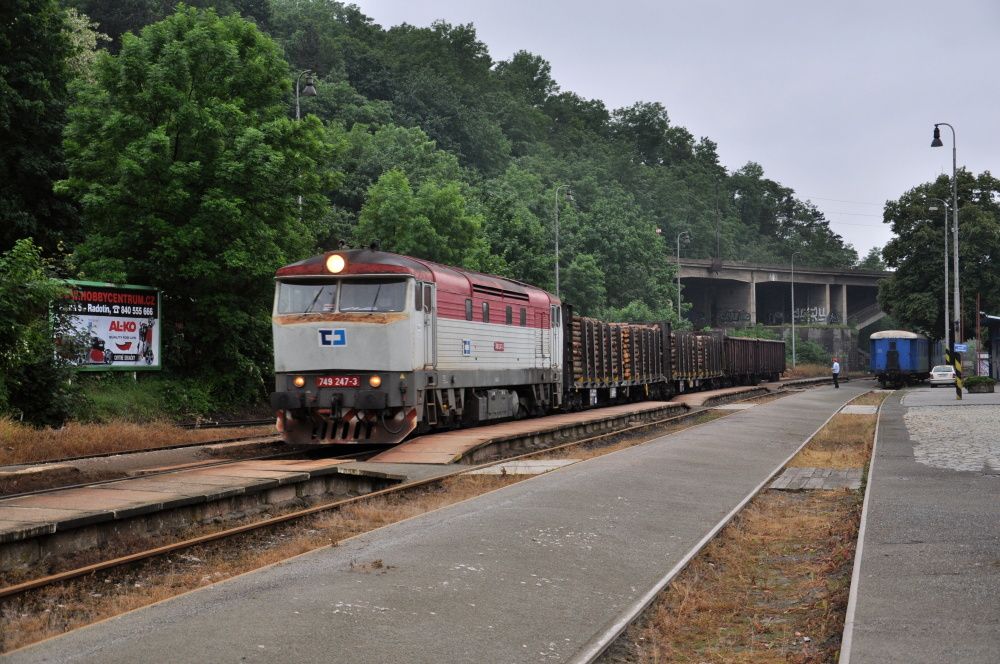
(794, 254)
(569, 197)
(686, 236)
(308, 91)
(947, 313)
(936, 143)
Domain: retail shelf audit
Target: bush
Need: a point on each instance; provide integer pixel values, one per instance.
(972, 381)
(807, 352)
(119, 397)
(34, 382)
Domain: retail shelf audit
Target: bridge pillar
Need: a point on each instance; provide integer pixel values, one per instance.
(843, 303)
(826, 300)
(752, 306)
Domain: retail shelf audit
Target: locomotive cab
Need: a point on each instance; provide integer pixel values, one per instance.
(346, 349)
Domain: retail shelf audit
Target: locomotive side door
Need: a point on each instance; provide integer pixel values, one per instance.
(429, 299)
(543, 342)
(555, 332)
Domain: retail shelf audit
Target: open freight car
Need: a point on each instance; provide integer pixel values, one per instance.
(749, 361)
(614, 362)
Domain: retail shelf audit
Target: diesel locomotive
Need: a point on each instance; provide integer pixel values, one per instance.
(372, 346)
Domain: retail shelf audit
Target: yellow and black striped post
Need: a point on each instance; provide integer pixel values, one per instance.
(955, 360)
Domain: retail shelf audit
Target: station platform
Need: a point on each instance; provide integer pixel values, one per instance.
(452, 446)
(926, 582)
(58, 511)
(542, 570)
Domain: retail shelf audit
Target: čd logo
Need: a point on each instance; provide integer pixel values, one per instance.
(333, 338)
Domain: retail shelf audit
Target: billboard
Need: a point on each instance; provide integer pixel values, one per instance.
(111, 327)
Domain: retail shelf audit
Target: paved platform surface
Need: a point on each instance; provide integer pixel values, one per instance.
(450, 446)
(531, 573)
(927, 579)
(827, 479)
(65, 509)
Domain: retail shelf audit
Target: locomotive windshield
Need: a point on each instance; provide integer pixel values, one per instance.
(373, 295)
(306, 298)
(369, 295)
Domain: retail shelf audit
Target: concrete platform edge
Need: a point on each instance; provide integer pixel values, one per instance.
(592, 650)
(852, 597)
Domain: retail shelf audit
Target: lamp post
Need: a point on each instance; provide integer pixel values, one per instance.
(957, 329)
(685, 235)
(936, 143)
(569, 196)
(794, 254)
(947, 312)
(308, 91)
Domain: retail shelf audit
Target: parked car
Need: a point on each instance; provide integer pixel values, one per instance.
(942, 374)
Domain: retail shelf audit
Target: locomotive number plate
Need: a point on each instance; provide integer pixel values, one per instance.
(338, 381)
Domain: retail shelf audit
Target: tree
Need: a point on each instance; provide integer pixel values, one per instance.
(34, 383)
(34, 47)
(872, 260)
(433, 223)
(914, 293)
(85, 41)
(188, 171)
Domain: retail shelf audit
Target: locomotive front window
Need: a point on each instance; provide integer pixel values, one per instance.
(373, 295)
(306, 298)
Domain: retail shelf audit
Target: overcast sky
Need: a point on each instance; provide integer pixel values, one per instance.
(834, 98)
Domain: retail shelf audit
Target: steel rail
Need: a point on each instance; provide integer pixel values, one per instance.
(316, 509)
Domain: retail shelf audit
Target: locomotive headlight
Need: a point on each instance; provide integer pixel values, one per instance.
(375, 381)
(336, 263)
(299, 381)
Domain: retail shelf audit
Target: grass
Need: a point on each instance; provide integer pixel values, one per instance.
(773, 586)
(806, 371)
(20, 443)
(873, 398)
(845, 442)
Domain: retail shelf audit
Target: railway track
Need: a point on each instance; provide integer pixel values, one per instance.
(589, 441)
(164, 448)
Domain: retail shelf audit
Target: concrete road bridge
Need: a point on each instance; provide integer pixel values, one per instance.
(732, 294)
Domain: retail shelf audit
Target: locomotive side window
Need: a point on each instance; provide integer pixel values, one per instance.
(373, 295)
(524, 317)
(468, 310)
(306, 298)
(428, 299)
(510, 315)
(418, 297)
(486, 312)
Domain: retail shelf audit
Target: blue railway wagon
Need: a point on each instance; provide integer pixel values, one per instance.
(899, 357)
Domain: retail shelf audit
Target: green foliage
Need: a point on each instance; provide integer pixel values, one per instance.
(118, 397)
(34, 382)
(582, 283)
(758, 331)
(34, 47)
(637, 311)
(872, 260)
(973, 381)
(433, 222)
(914, 292)
(807, 352)
(187, 169)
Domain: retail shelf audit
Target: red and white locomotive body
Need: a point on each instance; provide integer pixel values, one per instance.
(371, 345)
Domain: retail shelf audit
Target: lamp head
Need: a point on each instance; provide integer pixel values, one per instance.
(936, 143)
(310, 89)
(933, 208)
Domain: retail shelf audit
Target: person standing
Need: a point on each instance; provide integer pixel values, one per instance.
(836, 373)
